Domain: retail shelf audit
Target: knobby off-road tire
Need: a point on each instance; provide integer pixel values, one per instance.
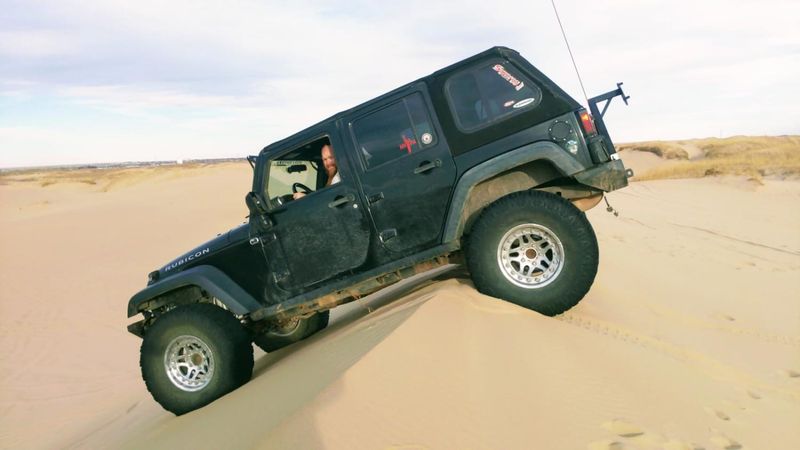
(193, 355)
(294, 331)
(534, 249)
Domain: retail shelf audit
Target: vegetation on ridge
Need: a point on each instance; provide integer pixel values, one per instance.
(755, 157)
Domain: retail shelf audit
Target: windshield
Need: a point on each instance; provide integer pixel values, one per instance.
(283, 173)
(302, 165)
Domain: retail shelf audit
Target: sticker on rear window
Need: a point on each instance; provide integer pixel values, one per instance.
(508, 77)
(524, 102)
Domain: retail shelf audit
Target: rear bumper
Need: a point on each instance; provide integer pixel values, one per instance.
(607, 177)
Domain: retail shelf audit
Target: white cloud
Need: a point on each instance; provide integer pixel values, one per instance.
(35, 43)
(136, 98)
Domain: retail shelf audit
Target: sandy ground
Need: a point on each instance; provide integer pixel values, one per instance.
(641, 162)
(690, 337)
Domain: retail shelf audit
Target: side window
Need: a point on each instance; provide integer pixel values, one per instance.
(402, 128)
(490, 93)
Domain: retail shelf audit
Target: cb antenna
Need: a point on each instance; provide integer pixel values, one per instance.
(570, 51)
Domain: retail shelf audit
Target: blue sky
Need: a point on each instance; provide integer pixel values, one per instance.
(105, 81)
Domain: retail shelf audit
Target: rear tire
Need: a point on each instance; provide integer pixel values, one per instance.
(295, 330)
(534, 249)
(193, 355)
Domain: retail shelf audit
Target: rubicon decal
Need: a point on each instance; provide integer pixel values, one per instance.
(186, 259)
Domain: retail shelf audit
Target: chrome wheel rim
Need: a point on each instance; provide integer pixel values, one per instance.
(530, 256)
(189, 363)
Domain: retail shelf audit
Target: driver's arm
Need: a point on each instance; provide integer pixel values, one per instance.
(297, 195)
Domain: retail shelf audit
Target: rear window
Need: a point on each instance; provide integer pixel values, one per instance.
(487, 94)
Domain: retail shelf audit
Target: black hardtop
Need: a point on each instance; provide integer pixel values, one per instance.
(431, 80)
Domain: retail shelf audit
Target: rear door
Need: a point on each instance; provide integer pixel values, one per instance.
(405, 168)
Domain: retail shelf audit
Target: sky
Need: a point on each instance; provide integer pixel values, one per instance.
(96, 81)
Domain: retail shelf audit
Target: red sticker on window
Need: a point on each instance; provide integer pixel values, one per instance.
(407, 143)
(508, 77)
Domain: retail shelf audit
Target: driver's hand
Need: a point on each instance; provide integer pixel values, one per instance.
(297, 195)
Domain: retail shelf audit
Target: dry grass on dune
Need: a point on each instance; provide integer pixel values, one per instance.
(752, 156)
(103, 179)
(662, 149)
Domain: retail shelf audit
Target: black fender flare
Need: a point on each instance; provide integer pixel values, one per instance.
(542, 150)
(208, 278)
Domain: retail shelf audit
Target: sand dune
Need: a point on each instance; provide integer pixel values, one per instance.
(690, 337)
(752, 157)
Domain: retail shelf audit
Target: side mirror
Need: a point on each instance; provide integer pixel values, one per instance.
(255, 203)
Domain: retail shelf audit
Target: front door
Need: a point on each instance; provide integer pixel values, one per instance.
(406, 171)
(321, 233)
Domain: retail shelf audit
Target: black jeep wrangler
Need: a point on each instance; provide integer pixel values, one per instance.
(486, 161)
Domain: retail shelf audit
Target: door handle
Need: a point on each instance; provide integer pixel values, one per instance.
(426, 166)
(341, 200)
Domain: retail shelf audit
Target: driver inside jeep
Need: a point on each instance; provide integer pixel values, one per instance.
(329, 163)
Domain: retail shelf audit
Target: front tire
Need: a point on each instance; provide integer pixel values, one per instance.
(293, 330)
(193, 355)
(534, 249)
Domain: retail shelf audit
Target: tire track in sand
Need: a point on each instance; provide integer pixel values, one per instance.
(710, 366)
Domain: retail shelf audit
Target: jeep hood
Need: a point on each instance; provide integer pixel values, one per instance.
(202, 251)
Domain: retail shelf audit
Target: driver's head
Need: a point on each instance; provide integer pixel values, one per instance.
(328, 160)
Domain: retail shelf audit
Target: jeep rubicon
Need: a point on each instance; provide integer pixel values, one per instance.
(486, 161)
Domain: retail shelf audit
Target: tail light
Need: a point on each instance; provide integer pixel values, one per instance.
(588, 123)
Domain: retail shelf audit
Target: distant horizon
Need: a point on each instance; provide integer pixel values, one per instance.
(117, 164)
